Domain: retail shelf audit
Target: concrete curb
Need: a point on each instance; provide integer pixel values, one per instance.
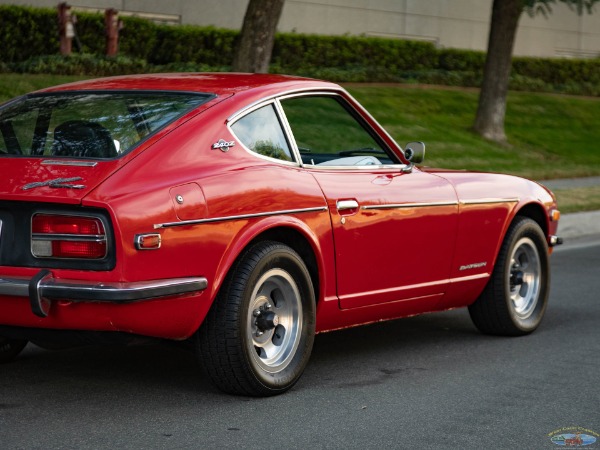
(581, 224)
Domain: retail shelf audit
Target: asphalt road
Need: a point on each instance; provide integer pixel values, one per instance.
(425, 382)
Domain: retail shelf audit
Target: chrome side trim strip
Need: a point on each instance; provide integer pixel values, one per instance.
(55, 162)
(420, 285)
(410, 205)
(94, 291)
(240, 217)
(485, 201)
(470, 277)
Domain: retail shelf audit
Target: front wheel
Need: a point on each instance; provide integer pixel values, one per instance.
(10, 348)
(258, 336)
(515, 298)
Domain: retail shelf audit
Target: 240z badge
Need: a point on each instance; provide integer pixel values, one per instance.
(223, 145)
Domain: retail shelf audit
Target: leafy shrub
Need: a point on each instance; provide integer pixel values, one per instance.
(81, 64)
(461, 60)
(207, 45)
(27, 32)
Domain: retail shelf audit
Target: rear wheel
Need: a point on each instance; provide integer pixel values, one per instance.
(258, 335)
(515, 298)
(10, 348)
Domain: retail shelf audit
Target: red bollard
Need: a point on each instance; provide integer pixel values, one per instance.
(66, 28)
(112, 25)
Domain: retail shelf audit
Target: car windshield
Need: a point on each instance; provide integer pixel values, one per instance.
(88, 124)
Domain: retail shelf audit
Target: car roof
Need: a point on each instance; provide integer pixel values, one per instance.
(216, 83)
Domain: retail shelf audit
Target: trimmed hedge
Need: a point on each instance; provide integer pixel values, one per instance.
(186, 43)
(27, 32)
(30, 33)
(298, 51)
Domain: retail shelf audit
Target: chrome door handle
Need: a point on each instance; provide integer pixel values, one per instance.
(344, 205)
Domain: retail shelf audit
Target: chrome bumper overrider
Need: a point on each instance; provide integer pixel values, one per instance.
(42, 288)
(555, 240)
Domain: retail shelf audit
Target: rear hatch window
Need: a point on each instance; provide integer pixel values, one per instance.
(88, 124)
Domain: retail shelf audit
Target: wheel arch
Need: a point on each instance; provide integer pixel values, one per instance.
(535, 212)
(298, 242)
(291, 232)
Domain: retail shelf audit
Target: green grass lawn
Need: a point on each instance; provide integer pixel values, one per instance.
(13, 84)
(578, 199)
(550, 136)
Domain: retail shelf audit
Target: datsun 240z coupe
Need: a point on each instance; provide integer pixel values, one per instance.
(243, 214)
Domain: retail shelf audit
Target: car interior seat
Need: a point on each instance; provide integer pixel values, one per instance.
(80, 138)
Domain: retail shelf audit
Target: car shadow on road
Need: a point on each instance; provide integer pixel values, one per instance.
(347, 358)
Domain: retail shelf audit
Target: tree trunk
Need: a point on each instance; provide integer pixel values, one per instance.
(253, 52)
(489, 121)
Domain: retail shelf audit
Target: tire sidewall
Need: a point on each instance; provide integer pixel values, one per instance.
(528, 229)
(284, 258)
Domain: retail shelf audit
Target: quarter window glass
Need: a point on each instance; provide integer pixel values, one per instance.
(327, 133)
(261, 132)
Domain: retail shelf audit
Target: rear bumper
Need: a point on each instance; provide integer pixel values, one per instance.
(43, 287)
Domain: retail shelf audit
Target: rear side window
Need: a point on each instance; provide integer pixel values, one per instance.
(262, 133)
(88, 124)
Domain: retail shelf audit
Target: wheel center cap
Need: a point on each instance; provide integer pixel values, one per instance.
(267, 321)
(517, 278)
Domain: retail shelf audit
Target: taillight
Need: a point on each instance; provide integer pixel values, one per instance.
(58, 236)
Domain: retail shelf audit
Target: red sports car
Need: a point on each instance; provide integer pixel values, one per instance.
(244, 214)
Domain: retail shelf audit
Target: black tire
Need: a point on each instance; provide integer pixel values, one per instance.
(258, 335)
(515, 299)
(10, 348)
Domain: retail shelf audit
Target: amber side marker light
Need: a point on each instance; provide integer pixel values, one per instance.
(73, 237)
(148, 241)
(554, 215)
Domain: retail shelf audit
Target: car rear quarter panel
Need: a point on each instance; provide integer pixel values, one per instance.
(220, 185)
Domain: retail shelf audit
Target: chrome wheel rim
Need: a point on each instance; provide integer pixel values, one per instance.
(524, 278)
(274, 321)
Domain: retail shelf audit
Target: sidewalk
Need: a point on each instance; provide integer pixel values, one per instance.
(571, 183)
(581, 224)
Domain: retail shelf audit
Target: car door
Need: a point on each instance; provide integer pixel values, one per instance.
(394, 228)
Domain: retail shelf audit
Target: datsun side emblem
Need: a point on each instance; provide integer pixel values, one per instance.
(56, 183)
(223, 145)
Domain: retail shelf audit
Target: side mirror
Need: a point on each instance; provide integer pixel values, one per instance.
(415, 152)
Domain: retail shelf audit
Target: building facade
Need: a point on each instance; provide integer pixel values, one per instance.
(446, 23)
